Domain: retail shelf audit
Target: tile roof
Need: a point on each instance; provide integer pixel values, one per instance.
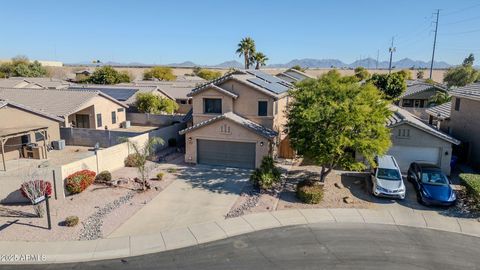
(214, 87)
(27, 82)
(441, 112)
(172, 89)
(471, 91)
(417, 86)
(4, 103)
(59, 102)
(256, 79)
(123, 93)
(257, 128)
(401, 116)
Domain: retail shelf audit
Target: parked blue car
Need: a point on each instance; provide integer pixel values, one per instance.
(432, 185)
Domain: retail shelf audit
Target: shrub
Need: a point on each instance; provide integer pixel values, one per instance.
(132, 160)
(309, 192)
(472, 183)
(71, 221)
(267, 175)
(172, 142)
(103, 177)
(37, 185)
(160, 176)
(79, 181)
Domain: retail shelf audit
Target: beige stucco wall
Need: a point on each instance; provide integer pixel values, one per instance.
(465, 126)
(103, 106)
(197, 103)
(237, 134)
(12, 117)
(421, 138)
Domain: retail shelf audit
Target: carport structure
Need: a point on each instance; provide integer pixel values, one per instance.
(9, 133)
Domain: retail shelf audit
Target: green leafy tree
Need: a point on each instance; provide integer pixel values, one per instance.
(330, 118)
(259, 59)
(298, 67)
(462, 75)
(159, 73)
(20, 66)
(206, 73)
(392, 85)
(108, 75)
(150, 103)
(440, 98)
(407, 74)
(361, 73)
(246, 48)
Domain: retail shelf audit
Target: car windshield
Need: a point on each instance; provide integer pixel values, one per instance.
(388, 174)
(434, 178)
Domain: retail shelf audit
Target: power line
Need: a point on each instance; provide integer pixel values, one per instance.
(461, 10)
(461, 21)
(434, 43)
(463, 32)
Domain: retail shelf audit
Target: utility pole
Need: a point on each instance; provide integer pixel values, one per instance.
(434, 43)
(378, 53)
(391, 50)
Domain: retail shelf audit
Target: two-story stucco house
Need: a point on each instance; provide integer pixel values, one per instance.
(461, 119)
(237, 119)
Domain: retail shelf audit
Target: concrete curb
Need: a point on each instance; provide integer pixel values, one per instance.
(16, 252)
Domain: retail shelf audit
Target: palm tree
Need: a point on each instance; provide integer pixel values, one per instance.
(259, 59)
(246, 47)
(440, 98)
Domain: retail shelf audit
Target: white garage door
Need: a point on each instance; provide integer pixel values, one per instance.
(404, 155)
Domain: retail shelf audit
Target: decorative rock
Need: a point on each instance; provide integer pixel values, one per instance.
(347, 200)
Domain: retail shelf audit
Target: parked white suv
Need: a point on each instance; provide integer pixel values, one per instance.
(387, 178)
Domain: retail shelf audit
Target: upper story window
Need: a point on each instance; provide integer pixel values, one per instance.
(262, 108)
(457, 104)
(212, 105)
(407, 103)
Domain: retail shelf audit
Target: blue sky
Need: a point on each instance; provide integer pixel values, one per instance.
(207, 32)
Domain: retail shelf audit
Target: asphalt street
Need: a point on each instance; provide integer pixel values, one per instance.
(322, 246)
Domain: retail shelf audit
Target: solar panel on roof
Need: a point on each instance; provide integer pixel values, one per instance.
(265, 76)
(120, 94)
(273, 87)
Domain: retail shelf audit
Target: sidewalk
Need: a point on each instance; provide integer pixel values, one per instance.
(110, 248)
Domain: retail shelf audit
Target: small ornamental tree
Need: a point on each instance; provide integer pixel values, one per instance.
(206, 73)
(462, 75)
(361, 73)
(159, 73)
(331, 118)
(142, 153)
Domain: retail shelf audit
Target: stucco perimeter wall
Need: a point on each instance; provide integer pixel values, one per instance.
(146, 119)
(237, 134)
(419, 138)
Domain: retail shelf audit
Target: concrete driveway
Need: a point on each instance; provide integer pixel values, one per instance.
(199, 194)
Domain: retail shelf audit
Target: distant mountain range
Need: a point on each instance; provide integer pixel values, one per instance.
(306, 63)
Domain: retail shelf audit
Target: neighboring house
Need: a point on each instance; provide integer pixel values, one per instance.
(175, 90)
(82, 75)
(24, 82)
(462, 120)
(292, 75)
(122, 93)
(81, 109)
(418, 95)
(414, 140)
(237, 119)
(440, 115)
(22, 125)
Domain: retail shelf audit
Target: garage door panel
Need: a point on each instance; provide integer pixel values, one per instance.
(404, 155)
(226, 153)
